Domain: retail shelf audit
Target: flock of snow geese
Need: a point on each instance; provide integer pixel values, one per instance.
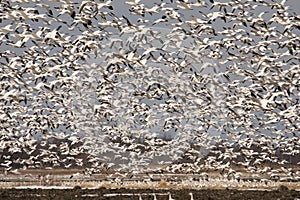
(189, 85)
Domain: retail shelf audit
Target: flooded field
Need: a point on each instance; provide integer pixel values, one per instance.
(75, 185)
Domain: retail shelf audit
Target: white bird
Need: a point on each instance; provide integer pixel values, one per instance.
(140, 197)
(170, 196)
(154, 196)
(192, 197)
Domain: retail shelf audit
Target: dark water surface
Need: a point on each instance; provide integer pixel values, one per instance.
(146, 194)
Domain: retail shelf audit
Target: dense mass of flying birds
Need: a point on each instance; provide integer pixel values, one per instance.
(190, 85)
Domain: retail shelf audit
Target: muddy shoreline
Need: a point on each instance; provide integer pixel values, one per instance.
(161, 194)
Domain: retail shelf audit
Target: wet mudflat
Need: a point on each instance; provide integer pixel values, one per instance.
(146, 194)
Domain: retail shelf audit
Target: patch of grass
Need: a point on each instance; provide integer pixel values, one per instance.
(108, 185)
(163, 184)
(86, 185)
(56, 183)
